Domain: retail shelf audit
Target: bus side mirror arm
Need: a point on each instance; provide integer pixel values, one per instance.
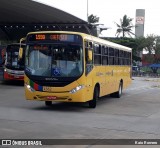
(20, 53)
(21, 49)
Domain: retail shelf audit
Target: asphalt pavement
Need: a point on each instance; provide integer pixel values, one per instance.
(136, 115)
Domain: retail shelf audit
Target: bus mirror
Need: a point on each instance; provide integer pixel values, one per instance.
(20, 52)
(90, 57)
(21, 49)
(22, 39)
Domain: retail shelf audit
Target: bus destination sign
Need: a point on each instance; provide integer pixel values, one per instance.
(54, 37)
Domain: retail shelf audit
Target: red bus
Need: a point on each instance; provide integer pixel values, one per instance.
(13, 67)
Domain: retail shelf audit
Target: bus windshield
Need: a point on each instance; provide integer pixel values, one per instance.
(12, 61)
(54, 60)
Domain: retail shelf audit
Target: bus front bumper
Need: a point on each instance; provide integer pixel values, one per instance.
(64, 96)
(8, 76)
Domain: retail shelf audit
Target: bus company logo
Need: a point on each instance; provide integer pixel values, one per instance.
(139, 20)
(6, 142)
(51, 79)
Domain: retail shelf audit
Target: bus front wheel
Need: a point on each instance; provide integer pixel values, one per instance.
(93, 102)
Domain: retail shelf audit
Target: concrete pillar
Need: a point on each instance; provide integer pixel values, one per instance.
(140, 19)
(139, 30)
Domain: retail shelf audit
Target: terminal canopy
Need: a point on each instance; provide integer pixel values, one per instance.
(18, 17)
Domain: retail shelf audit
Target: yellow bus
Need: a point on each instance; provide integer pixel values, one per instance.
(69, 66)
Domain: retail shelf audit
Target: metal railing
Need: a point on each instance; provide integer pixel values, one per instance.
(139, 74)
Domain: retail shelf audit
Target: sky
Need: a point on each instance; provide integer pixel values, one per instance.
(111, 11)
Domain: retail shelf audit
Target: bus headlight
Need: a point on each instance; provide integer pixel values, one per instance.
(29, 88)
(74, 90)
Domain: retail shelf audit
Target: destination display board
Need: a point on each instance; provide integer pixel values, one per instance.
(54, 37)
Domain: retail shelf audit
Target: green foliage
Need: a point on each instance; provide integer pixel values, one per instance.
(150, 43)
(125, 27)
(157, 50)
(152, 46)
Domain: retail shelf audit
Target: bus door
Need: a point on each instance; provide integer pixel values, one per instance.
(88, 69)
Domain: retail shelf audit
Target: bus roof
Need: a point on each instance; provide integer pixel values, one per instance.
(88, 37)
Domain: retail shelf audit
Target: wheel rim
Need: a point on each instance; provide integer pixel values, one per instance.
(120, 90)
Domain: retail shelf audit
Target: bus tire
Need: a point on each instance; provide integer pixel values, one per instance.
(93, 102)
(118, 94)
(48, 103)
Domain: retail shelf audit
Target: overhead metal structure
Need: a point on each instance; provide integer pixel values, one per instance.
(18, 17)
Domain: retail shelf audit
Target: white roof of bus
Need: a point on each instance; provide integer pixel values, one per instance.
(108, 43)
(89, 37)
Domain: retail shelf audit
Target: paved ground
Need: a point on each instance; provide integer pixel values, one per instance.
(1, 73)
(134, 116)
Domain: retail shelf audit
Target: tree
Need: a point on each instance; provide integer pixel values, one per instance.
(150, 44)
(93, 19)
(137, 48)
(150, 48)
(153, 48)
(125, 27)
(157, 50)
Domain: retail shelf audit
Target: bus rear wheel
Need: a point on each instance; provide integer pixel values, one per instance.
(48, 103)
(118, 94)
(93, 102)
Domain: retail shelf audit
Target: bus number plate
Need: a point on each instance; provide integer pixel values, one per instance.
(45, 88)
(16, 76)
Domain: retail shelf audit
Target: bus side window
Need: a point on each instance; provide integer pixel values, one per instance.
(97, 54)
(89, 64)
(88, 47)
